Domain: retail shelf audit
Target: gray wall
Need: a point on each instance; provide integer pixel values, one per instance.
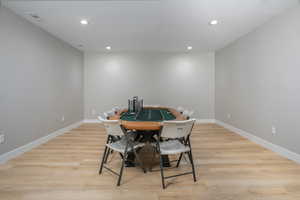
(171, 79)
(41, 79)
(258, 81)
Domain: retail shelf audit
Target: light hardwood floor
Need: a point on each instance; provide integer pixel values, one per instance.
(228, 167)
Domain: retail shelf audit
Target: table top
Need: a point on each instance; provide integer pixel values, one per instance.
(149, 118)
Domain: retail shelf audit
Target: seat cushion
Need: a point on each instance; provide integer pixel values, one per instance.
(172, 147)
(120, 145)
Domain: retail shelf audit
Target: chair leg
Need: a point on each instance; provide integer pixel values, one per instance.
(107, 155)
(103, 159)
(192, 163)
(179, 159)
(121, 155)
(121, 170)
(162, 172)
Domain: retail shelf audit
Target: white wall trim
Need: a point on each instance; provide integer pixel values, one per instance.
(91, 121)
(205, 121)
(273, 147)
(198, 121)
(20, 150)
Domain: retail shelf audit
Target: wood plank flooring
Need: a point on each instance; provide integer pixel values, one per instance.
(228, 167)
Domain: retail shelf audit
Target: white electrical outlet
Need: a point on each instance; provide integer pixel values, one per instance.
(273, 130)
(63, 118)
(229, 116)
(2, 138)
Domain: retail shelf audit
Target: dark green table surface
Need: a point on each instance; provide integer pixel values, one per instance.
(149, 114)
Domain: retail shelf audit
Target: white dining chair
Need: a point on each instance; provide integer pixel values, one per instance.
(123, 146)
(185, 113)
(100, 118)
(180, 109)
(105, 115)
(116, 109)
(108, 114)
(174, 138)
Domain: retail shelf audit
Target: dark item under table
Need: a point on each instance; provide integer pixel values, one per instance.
(146, 136)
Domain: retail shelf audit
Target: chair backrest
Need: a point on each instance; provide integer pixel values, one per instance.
(185, 113)
(116, 109)
(180, 109)
(177, 129)
(110, 113)
(105, 115)
(113, 127)
(100, 118)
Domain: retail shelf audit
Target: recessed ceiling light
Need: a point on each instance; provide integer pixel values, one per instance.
(84, 22)
(189, 48)
(213, 22)
(108, 47)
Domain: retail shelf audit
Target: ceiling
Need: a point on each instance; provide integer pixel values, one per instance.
(150, 25)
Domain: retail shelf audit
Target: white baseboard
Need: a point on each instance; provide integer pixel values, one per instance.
(273, 147)
(20, 150)
(198, 121)
(91, 121)
(205, 121)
